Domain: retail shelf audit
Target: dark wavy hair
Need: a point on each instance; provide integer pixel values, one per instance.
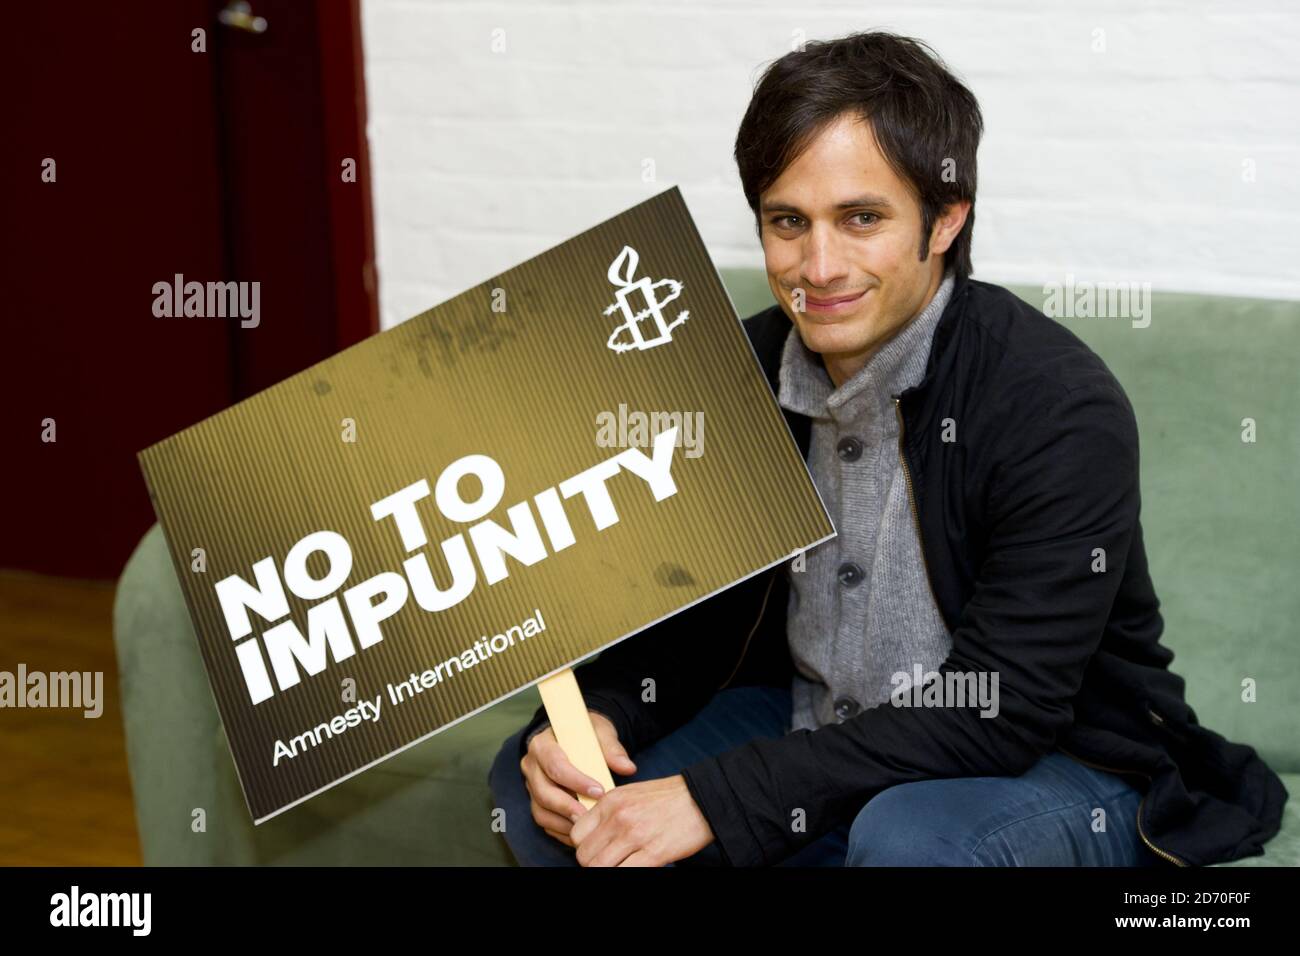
(927, 123)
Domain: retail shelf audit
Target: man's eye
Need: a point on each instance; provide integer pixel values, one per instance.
(865, 219)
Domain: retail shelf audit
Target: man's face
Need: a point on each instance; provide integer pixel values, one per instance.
(840, 224)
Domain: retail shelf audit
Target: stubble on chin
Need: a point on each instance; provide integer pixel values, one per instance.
(845, 335)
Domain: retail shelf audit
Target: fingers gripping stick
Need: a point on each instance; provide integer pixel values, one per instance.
(567, 712)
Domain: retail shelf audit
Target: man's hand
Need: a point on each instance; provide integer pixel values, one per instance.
(651, 823)
(552, 780)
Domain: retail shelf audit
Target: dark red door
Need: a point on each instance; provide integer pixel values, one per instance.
(131, 158)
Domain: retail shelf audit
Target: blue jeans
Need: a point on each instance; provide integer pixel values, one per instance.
(1044, 817)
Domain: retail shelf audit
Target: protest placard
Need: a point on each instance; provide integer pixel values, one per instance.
(477, 499)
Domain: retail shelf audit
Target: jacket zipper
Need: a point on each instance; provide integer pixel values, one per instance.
(1141, 833)
(911, 500)
(762, 608)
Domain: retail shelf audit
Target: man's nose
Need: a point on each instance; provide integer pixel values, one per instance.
(823, 262)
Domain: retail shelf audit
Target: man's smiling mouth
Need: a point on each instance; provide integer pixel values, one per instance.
(833, 305)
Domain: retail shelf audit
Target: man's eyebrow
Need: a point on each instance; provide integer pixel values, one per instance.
(870, 201)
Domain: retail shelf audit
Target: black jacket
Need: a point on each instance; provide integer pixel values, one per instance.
(1043, 472)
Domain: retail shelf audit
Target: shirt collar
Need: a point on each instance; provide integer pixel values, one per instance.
(805, 387)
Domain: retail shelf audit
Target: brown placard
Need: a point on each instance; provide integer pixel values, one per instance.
(620, 457)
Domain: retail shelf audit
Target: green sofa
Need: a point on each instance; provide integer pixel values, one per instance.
(1221, 520)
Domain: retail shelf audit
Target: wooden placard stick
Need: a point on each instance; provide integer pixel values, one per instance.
(567, 712)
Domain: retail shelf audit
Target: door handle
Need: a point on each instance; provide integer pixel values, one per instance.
(239, 15)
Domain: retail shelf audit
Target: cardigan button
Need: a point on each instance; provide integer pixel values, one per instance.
(846, 707)
(849, 449)
(850, 574)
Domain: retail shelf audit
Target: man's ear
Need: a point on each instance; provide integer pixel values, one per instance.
(948, 225)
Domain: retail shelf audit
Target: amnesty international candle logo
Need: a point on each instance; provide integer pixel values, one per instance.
(620, 273)
(404, 534)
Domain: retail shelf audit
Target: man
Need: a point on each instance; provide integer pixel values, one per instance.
(970, 673)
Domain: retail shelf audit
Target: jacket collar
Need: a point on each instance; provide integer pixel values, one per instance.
(949, 323)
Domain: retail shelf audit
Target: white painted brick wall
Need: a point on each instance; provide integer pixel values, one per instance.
(1121, 165)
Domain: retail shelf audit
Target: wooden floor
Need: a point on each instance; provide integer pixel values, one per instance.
(65, 795)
